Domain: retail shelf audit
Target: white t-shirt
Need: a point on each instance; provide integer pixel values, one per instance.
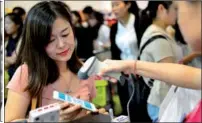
(126, 39)
(154, 52)
(103, 34)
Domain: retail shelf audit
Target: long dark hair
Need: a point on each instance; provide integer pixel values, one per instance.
(19, 10)
(178, 34)
(42, 70)
(18, 21)
(134, 9)
(150, 13)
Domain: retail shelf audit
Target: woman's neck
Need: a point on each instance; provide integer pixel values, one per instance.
(160, 24)
(62, 66)
(124, 20)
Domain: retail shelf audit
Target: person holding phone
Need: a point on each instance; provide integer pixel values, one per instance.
(47, 62)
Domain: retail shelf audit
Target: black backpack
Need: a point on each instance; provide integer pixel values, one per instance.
(138, 105)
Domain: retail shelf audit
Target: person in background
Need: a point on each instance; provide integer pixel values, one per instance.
(124, 34)
(174, 74)
(84, 40)
(99, 30)
(13, 28)
(76, 19)
(125, 39)
(47, 62)
(20, 11)
(175, 32)
(87, 11)
(161, 50)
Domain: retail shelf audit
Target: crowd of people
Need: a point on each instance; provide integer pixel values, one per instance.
(151, 44)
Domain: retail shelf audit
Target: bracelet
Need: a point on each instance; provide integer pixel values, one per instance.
(135, 66)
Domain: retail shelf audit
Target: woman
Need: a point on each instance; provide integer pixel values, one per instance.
(13, 28)
(124, 34)
(84, 40)
(101, 31)
(47, 62)
(161, 15)
(179, 75)
(100, 34)
(125, 39)
(157, 70)
(76, 19)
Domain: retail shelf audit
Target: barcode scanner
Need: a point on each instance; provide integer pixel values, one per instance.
(92, 66)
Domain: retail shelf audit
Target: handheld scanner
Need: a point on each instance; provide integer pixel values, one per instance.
(92, 67)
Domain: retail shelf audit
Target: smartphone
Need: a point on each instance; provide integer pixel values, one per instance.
(75, 101)
(48, 113)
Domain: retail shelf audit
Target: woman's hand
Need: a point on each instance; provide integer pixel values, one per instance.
(20, 120)
(126, 66)
(84, 93)
(68, 112)
(101, 111)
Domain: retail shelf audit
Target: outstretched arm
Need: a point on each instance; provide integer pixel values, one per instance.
(176, 74)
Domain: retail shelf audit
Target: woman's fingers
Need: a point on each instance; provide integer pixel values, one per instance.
(64, 105)
(106, 113)
(70, 109)
(70, 116)
(101, 110)
(111, 79)
(88, 112)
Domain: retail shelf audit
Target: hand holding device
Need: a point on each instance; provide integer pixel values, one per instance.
(49, 113)
(69, 112)
(92, 67)
(75, 101)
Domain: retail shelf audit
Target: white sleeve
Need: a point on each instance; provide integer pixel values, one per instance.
(103, 34)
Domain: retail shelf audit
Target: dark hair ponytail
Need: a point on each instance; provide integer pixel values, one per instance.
(134, 9)
(150, 13)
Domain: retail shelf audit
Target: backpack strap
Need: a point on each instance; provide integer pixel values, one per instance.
(150, 82)
(148, 42)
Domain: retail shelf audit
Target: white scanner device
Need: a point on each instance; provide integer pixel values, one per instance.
(92, 67)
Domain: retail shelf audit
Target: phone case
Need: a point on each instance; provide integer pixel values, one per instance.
(67, 98)
(49, 113)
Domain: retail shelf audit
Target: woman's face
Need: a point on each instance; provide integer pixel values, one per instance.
(10, 26)
(189, 19)
(119, 8)
(171, 14)
(168, 16)
(62, 43)
(92, 21)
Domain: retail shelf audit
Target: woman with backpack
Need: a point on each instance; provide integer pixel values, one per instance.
(157, 46)
(189, 20)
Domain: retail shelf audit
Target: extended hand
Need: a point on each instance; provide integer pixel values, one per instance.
(126, 66)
